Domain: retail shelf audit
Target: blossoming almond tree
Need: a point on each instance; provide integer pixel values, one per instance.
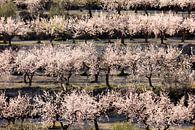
(6, 59)
(117, 5)
(145, 26)
(165, 24)
(33, 6)
(27, 63)
(185, 4)
(64, 61)
(17, 108)
(10, 27)
(111, 59)
(67, 109)
(54, 27)
(153, 111)
(187, 26)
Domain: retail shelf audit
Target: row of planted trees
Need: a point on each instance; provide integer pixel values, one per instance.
(100, 26)
(168, 64)
(118, 5)
(146, 109)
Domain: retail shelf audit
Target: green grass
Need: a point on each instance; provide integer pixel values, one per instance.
(124, 126)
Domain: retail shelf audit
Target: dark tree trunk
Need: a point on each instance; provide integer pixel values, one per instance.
(176, 9)
(162, 37)
(25, 78)
(90, 13)
(150, 82)
(86, 69)
(4, 39)
(28, 78)
(131, 38)
(68, 78)
(10, 42)
(86, 40)
(189, 12)
(146, 37)
(145, 10)
(64, 127)
(183, 35)
(122, 73)
(96, 78)
(186, 97)
(119, 10)
(109, 40)
(122, 39)
(96, 124)
(39, 39)
(51, 41)
(73, 41)
(135, 9)
(107, 78)
(166, 127)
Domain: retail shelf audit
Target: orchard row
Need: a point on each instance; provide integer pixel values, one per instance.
(145, 109)
(62, 62)
(102, 26)
(118, 5)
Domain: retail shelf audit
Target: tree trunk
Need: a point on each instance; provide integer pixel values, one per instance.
(146, 37)
(189, 12)
(162, 38)
(135, 9)
(25, 78)
(176, 9)
(90, 13)
(96, 78)
(107, 78)
(51, 41)
(166, 127)
(122, 73)
(68, 78)
(4, 39)
(64, 127)
(73, 41)
(30, 77)
(96, 124)
(119, 10)
(86, 69)
(183, 36)
(10, 42)
(186, 97)
(85, 40)
(122, 39)
(39, 39)
(145, 10)
(150, 82)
